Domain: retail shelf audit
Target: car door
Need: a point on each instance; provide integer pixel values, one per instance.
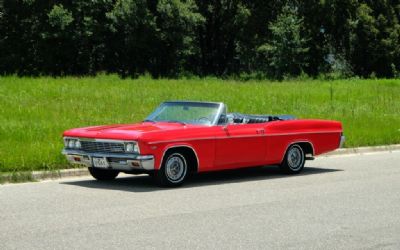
(240, 145)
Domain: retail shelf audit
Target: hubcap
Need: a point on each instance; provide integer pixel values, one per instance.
(295, 158)
(175, 169)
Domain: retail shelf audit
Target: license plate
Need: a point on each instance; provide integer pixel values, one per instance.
(100, 162)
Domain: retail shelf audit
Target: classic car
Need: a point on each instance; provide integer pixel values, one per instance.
(183, 137)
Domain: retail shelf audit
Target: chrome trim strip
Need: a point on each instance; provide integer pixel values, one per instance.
(304, 133)
(180, 146)
(207, 138)
(145, 157)
(80, 152)
(241, 136)
(98, 140)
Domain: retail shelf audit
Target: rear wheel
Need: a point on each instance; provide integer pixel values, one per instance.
(294, 160)
(173, 171)
(103, 174)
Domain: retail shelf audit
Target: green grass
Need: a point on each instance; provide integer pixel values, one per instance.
(35, 111)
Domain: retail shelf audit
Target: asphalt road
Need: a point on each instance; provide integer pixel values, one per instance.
(340, 202)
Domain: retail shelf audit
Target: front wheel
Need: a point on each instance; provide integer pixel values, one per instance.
(173, 171)
(294, 160)
(103, 174)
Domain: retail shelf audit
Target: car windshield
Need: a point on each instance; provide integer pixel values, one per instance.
(186, 112)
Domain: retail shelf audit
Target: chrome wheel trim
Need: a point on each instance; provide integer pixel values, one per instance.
(295, 158)
(175, 168)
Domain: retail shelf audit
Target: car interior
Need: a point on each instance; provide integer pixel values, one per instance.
(237, 118)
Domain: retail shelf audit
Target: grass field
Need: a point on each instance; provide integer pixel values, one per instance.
(35, 112)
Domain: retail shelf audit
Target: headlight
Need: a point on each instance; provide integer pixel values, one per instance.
(71, 143)
(132, 147)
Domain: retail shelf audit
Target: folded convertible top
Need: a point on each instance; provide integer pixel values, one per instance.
(243, 118)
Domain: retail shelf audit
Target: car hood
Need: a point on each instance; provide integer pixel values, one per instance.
(123, 131)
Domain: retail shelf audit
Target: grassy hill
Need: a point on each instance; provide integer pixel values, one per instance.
(35, 111)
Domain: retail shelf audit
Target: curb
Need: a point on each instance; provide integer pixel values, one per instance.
(363, 150)
(77, 172)
(59, 174)
(26, 176)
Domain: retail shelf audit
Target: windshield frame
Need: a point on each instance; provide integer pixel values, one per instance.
(220, 110)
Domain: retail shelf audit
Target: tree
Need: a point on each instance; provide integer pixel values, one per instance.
(168, 38)
(177, 22)
(285, 52)
(133, 28)
(375, 39)
(220, 35)
(20, 37)
(56, 47)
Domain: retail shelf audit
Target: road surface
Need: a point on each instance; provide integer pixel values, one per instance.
(339, 202)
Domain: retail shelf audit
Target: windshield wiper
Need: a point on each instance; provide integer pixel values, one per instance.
(149, 120)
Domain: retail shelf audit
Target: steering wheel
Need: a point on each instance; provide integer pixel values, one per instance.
(203, 120)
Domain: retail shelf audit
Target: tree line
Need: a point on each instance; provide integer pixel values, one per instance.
(172, 38)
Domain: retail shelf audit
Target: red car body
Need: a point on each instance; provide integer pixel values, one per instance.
(215, 147)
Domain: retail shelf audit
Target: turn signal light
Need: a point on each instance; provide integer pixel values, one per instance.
(135, 164)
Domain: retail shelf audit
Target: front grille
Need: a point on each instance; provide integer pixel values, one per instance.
(102, 147)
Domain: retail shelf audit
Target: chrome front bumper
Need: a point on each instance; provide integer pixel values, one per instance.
(120, 162)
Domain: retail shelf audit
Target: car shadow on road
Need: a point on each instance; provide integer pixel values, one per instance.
(144, 183)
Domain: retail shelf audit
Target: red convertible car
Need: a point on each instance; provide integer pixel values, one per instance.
(183, 137)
